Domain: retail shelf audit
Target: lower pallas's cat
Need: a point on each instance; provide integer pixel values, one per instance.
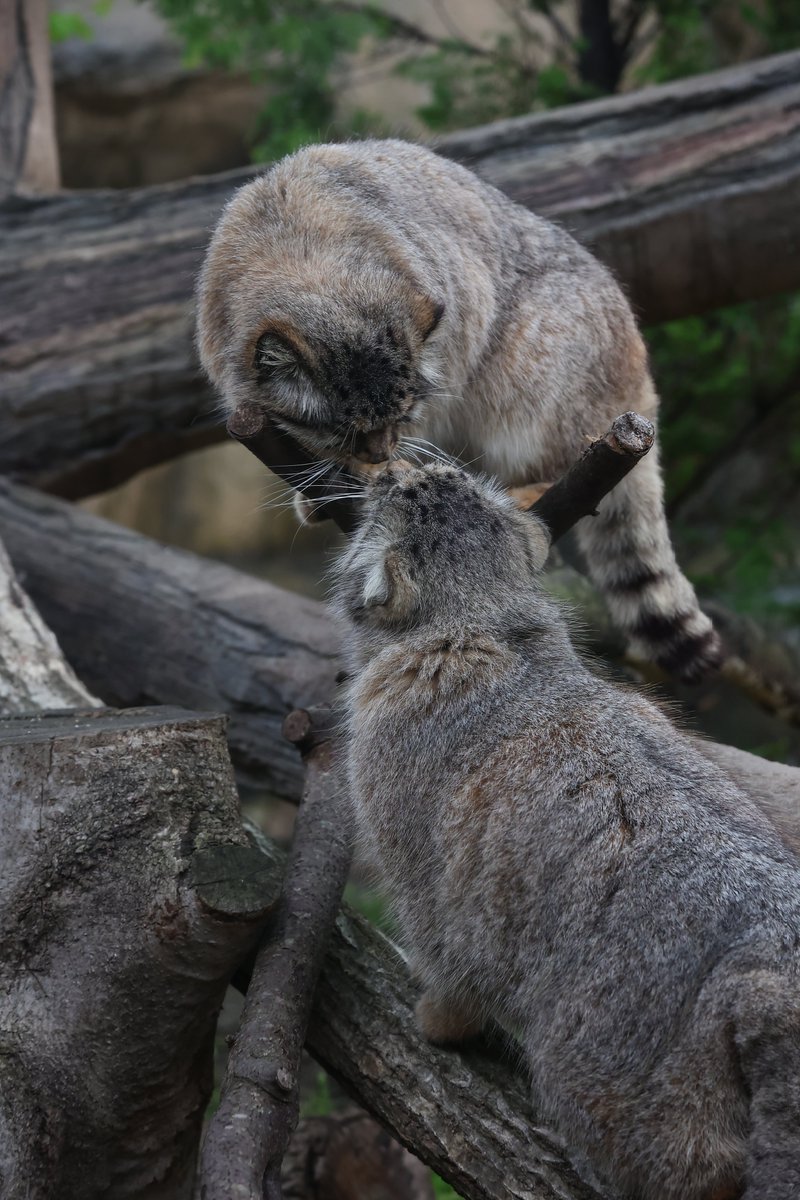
(362, 292)
(563, 858)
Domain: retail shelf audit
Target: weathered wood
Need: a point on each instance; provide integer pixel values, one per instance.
(603, 464)
(248, 1136)
(28, 152)
(689, 191)
(112, 967)
(33, 672)
(143, 624)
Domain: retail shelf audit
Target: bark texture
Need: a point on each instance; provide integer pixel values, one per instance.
(688, 191)
(28, 153)
(144, 624)
(248, 1136)
(129, 893)
(33, 671)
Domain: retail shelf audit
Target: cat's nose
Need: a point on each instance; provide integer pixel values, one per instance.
(376, 446)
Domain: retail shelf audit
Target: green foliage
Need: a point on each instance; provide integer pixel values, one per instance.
(66, 25)
(442, 1190)
(291, 49)
(703, 35)
(372, 905)
(469, 88)
(320, 1102)
(719, 372)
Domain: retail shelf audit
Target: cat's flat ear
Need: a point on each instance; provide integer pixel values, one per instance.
(388, 586)
(427, 313)
(538, 541)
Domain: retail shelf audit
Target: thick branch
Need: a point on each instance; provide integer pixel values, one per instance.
(218, 639)
(602, 466)
(250, 1132)
(604, 463)
(688, 191)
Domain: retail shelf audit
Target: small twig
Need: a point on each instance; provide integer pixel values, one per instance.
(602, 466)
(259, 1106)
(251, 426)
(575, 495)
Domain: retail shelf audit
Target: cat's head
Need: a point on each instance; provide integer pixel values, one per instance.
(439, 547)
(341, 353)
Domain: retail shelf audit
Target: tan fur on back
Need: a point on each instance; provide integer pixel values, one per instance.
(375, 285)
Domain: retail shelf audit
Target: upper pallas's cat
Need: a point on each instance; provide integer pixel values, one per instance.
(365, 291)
(562, 857)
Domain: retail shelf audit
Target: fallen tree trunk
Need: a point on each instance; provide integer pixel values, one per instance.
(215, 638)
(129, 893)
(688, 191)
(144, 624)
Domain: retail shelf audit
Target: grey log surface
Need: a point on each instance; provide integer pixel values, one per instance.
(142, 623)
(129, 893)
(688, 191)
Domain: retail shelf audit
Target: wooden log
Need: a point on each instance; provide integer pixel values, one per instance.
(28, 151)
(144, 624)
(128, 895)
(688, 191)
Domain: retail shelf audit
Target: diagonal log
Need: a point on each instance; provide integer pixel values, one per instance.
(688, 191)
(143, 624)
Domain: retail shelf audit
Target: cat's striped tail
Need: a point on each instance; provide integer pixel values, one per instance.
(630, 558)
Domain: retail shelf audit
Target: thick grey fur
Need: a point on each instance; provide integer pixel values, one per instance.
(564, 859)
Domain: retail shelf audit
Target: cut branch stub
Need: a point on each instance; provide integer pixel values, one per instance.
(604, 463)
(272, 446)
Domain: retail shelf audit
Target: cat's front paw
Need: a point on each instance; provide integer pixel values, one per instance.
(446, 1022)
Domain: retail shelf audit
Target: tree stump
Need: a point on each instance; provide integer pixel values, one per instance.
(128, 895)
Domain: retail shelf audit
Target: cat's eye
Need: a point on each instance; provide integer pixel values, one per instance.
(274, 357)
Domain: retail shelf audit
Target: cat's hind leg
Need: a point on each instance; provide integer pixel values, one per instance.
(629, 556)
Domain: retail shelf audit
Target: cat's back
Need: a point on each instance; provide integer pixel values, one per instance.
(344, 189)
